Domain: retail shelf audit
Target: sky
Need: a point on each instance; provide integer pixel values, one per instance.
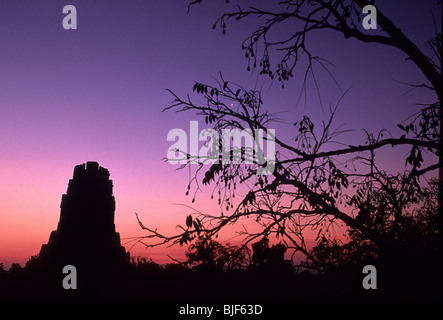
(97, 94)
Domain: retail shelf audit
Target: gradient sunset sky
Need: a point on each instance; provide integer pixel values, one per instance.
(97, 94)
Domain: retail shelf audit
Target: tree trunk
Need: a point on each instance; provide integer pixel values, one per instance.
(440, 176)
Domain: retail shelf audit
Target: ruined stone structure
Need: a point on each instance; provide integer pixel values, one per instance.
(86, 236)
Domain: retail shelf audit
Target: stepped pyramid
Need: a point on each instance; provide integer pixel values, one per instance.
(86, 236)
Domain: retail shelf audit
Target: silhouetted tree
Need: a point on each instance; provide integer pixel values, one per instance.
(311, 185)
(262, 253)
(270, 259)
(408, 257)
(208, 254)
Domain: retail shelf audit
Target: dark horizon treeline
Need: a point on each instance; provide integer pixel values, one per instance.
(216, 271)
(264, 274)
(405, 258)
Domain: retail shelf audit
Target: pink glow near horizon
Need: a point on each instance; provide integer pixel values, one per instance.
(96, 94)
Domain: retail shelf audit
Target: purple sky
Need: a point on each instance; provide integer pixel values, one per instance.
(96, 93)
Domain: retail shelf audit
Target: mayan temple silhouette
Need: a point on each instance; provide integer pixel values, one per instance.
(86, 236)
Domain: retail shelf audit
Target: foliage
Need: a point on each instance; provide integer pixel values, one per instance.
(409, 243)
(314, 186)
(208, 254)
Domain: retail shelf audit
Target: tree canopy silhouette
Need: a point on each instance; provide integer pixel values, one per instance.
(314, 185)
